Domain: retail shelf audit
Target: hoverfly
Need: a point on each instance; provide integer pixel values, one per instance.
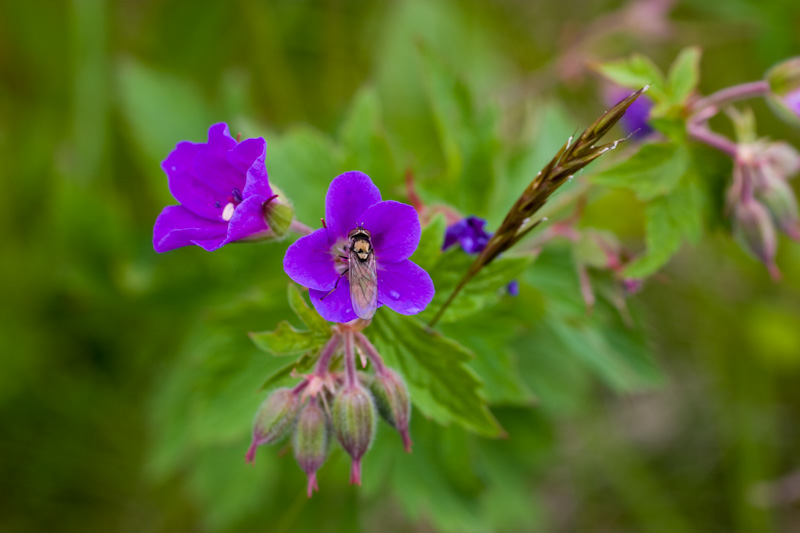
(362, 273)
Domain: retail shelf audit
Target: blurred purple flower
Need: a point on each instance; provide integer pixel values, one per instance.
(317, 260)
(222, 187)
(792, 101)
(634, 122)
(470, 234)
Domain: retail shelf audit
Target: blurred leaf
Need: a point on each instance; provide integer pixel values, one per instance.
(482, 291)
(304, 312)
(441, 384)
(653, 171)
(365, 142)
(430, 244)
(635, 72)
(286, 340)
(160, 109)
(303, 364)
(671, 219)
(684, 75)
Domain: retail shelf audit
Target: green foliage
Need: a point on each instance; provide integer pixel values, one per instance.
(441, 385)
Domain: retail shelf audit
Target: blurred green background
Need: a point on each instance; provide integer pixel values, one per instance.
(127, 383)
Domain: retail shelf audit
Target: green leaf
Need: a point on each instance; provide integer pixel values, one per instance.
(653, 171)
(160, 109)
(482, 291)
(365, 142)
(671, 219)
(429, 250)
(309, 316)
(303, 364)
(684, 75)
(635, 73)
(435, 368)
(286, 340)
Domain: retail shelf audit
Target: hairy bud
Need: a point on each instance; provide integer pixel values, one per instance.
(784, 87)
(354, 423)
(755, 229)
(311, 441)
(273, 419)
(393, 402)
(778, 197)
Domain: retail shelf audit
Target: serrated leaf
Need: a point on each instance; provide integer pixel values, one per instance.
(309, 316)
(653, 171)
(286, 340)
(671, 219)
(684, 75)
(635, 73)
(429, 250)
(483, 290)
(302, 364)
(435, 368)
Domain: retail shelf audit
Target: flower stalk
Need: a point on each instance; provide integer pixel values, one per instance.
(573, 156)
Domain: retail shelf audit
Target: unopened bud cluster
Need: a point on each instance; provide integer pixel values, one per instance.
(341, 403)
(760, 199)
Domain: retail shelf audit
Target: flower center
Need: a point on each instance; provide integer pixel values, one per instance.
(231, 202)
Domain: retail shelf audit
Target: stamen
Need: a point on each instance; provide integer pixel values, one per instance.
(323, 222)
(227, 213)
(216, 204)
(237, 195)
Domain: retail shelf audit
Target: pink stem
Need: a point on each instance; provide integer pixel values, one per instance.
(372, 353)
(327, 353)
(351, 378)
(298, 227)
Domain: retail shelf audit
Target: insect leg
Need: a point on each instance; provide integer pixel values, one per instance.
(336, 285)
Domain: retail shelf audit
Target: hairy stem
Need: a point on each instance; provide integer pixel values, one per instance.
(351, 379)
(326, 354)
(298, 227)
(371, 352)
(705, 108)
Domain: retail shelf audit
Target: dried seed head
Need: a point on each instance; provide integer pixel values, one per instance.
(311, 441)
(354, 423)
(273, 419)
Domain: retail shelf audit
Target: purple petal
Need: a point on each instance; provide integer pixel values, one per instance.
(257, 179)
(219, 137)
(248, 219)
(470, 233)
(336, 306)
(395, 230)
(309, 262)
(404, 287)
(176, 226)
(349, 195)
(192, 193)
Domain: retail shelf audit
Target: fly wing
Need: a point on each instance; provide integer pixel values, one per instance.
(363, 277)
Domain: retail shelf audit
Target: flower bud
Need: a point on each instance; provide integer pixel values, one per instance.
(354, 423)
(779, 199)
(279, 215)
(393, 402)
(273, 419)
(311, 441)
(755, 229)
(784, 89)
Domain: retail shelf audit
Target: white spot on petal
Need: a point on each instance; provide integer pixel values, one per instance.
(227, 213)
(394, 294)
(174, 168)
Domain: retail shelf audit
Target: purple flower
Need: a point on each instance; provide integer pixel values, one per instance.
(318, 260)
(469, 233)
(223, 189)
(634, 121)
